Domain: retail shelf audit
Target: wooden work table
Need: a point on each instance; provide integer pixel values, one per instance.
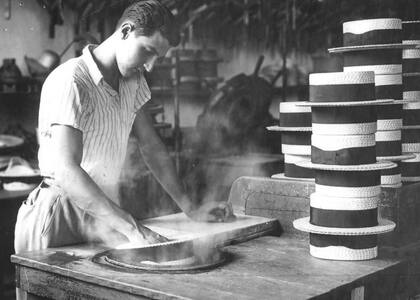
(264, 268)
(10, 202)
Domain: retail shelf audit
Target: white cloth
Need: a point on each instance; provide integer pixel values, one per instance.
(75, 94)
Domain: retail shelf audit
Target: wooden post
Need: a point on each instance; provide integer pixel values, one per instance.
(8, 9)
(284, 53)
(358, 293)
(177, 133)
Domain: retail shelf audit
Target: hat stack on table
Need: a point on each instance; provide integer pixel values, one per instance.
(376, 45)
(410, 168)
(343, 222)
(295, 127)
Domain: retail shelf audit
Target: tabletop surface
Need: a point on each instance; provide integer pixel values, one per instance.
(264, 268)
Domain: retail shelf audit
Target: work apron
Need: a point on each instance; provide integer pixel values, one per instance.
(49, 218)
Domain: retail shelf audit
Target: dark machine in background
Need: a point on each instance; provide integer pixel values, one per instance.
(233, 123)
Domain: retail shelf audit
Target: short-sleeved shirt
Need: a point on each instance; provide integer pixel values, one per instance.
(75, 94)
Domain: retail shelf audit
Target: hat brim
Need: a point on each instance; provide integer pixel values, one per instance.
(372, 47)
(343, 253)
(282, 176)
(281, 128)
(411, 73)
(383, 226)
(405, 101)
(410, 179)
(381, 165)
(411, 127)
(396, 158)
(344, 103)
(392, 186)
(396, 102)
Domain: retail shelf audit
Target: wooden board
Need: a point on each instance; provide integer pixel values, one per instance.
(263, 268)
(179, 226)
(287, 200)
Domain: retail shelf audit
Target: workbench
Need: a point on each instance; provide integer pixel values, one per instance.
(269, 267)
(10, 202)
(264, 268)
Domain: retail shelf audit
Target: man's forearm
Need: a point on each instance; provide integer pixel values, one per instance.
(87, 195)
(162, 166)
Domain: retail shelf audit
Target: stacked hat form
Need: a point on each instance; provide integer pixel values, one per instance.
(411, 73)
(411, 32)
(410, 168)
(295, 127)
(390, 122)
(373, 45)
(377, 45)
(343, 222)
(389, 148)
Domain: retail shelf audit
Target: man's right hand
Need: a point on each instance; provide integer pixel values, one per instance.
(142, 234)
(212, 212)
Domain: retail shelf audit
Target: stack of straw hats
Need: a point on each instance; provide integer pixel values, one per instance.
(410, 168)
(295, 127)
(377, 45)
(343, 222)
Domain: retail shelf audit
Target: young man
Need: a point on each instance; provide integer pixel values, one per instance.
(88, 107)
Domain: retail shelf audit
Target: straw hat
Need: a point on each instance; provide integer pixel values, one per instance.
(335, 89)
(291, 170)
(411, 32)
(383, 226)
(372, 34)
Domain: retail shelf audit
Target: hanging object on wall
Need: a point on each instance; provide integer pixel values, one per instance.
(8, 9)
(41, 67)
(10, 75)
(9, 71)
(49, 60)
(55, 10)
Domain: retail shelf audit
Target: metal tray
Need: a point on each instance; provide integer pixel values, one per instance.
(204, 257)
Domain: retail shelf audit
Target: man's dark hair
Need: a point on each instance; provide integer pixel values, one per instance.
(149, 16)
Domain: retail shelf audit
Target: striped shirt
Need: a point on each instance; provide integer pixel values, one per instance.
(75, 94)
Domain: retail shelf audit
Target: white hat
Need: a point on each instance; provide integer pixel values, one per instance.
(342, 89)
(372, 34)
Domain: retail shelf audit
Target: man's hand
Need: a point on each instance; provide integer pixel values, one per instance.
(212, 212)
(142, 234)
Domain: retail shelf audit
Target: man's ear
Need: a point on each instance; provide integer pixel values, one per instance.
(126, 28)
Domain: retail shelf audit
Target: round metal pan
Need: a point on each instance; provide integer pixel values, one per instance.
(173, 257)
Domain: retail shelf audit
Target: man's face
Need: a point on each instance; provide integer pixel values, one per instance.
(137, 52)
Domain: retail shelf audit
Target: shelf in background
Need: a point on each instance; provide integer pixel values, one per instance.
(15, 94)
(159, 93)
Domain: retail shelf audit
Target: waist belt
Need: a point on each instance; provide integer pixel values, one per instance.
(48, 182)
(44, 184)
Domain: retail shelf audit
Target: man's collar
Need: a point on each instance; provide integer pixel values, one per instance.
(90, 62)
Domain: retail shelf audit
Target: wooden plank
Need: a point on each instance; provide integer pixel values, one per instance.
(247, 190)
(264, 268)
(390, 196)
(284, 203)
(275, 186)
(288, 200)
(60, 287)
(179, 226)
(285, 218)
(358, 293)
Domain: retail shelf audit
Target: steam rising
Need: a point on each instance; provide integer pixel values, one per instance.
(230, 130)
